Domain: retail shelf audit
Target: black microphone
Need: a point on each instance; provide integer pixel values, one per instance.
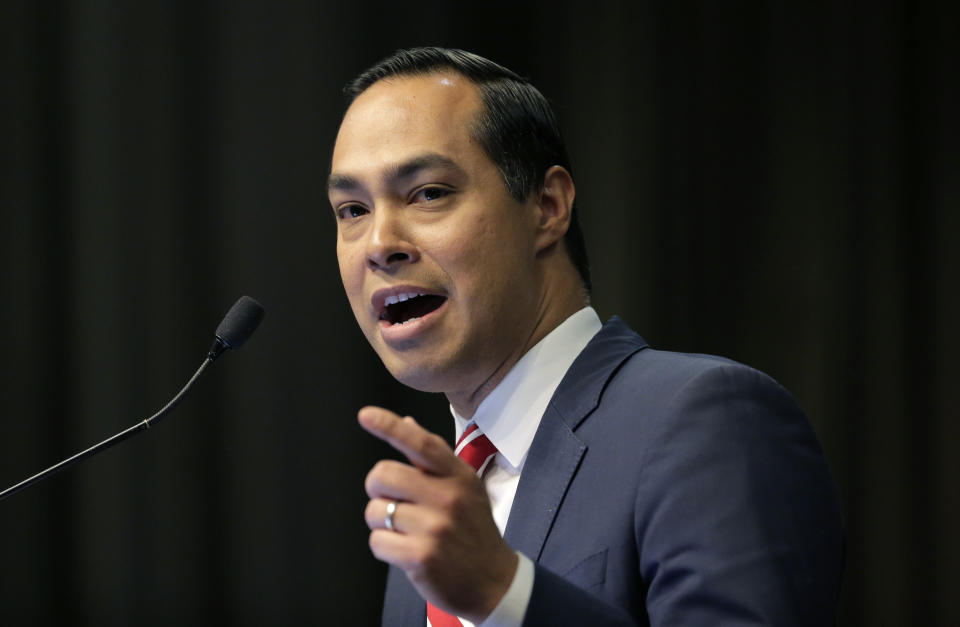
(237, 326)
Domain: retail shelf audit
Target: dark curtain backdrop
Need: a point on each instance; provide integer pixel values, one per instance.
(775, 184)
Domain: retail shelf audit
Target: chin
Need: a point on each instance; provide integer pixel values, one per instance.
(424, 373)
(421, 379)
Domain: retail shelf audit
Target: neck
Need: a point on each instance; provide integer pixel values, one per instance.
(550, 314)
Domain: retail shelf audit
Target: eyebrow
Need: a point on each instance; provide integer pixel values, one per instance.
(405, 170)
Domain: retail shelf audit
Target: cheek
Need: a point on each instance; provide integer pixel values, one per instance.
(483, 272)
(467, 243)
(351, 275)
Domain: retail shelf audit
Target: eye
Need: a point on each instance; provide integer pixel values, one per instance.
(348, 212)
(429, 194)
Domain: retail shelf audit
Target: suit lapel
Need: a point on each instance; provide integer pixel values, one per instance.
(551, 465)
(402, 604)
(556, 451)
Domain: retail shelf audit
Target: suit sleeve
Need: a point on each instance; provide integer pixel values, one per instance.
(736, 517)
(556, 602)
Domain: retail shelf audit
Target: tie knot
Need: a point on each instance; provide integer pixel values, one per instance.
(475, 449)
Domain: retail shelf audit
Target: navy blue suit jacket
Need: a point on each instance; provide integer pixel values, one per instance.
(669, 489)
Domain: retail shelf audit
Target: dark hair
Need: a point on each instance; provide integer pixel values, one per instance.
(517, 128)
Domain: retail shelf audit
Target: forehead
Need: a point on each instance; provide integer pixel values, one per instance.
(399, 117)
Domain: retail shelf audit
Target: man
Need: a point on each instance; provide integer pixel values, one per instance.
(629, 486)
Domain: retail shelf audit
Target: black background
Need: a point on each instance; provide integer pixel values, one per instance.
(777, 185)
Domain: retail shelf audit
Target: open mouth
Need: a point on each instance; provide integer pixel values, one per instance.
(404, 308)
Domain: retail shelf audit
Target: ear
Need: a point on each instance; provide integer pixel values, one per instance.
(555, 207)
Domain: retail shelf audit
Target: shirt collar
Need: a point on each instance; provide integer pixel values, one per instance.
(511, 413)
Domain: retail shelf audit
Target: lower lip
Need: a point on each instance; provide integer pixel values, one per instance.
(398, 333)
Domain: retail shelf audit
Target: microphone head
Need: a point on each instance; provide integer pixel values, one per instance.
(240, 322)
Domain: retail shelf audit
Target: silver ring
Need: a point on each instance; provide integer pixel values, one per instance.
(391, 510)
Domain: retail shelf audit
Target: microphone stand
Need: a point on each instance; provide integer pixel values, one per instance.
(116, 439)
(236, 327)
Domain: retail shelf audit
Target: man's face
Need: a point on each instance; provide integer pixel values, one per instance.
(424, 215)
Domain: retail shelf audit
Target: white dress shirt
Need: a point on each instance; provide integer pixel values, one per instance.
(510, 416)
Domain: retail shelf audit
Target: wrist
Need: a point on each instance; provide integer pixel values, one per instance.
(502, 576)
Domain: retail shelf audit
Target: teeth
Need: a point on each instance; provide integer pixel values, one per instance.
(405, 322)
(399, 298)
(393, 299)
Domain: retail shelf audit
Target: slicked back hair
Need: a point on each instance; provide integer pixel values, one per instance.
(516, 127)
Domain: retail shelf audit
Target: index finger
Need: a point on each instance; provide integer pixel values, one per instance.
(425, 450)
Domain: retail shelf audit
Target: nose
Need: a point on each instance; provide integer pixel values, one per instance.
(388, 244)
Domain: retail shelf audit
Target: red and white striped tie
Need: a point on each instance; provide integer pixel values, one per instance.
(474, 448)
